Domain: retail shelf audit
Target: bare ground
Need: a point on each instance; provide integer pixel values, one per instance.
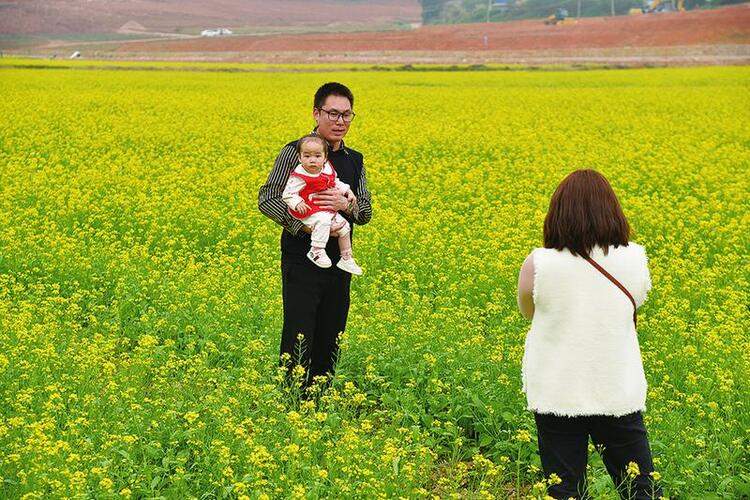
(700, 37)
(726, 26)
(190, 16)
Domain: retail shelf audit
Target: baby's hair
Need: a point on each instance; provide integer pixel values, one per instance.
(312, 137)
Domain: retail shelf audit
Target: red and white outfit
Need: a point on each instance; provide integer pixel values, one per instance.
(303, 186)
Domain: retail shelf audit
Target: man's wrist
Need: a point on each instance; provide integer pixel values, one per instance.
(355, 208)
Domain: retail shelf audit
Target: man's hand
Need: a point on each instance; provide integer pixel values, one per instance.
(350, 196)
(331, 199)
(302, 208)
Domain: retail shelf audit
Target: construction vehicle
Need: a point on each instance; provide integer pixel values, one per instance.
(560, 16)
(655, 6)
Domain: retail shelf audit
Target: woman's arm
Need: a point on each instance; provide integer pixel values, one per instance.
(526, 288)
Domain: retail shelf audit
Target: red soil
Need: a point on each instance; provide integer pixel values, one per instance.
(728, 25)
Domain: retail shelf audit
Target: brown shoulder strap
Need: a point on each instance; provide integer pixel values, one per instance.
(618, 284)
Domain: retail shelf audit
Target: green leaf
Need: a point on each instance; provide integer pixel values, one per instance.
(485, 440)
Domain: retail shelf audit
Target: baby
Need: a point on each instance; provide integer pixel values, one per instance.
(313, 175)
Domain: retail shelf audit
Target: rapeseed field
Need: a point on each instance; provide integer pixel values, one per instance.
(140, 303)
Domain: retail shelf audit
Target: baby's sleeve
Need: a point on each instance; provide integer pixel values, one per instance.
(342, 186)
(291, 191)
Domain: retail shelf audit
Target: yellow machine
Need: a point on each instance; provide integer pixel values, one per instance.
(560, 17)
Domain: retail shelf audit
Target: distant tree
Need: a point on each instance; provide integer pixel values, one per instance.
(468, 11)
(431, 10)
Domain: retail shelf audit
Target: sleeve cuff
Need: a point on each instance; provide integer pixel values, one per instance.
(355, 211)
(298, 228)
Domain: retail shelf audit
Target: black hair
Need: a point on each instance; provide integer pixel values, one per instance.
(310, 137)
(332, 88)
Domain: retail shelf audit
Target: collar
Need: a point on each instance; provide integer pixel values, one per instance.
(327, 170)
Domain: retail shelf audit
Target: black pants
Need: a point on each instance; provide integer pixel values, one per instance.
(316, 305)
(563, 448)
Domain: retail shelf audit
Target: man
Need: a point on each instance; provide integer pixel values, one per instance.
(316, 300)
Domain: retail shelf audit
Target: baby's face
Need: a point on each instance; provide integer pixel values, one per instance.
(312, 156)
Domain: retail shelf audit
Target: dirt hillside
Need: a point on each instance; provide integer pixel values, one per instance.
(725, 26)
(40, 17)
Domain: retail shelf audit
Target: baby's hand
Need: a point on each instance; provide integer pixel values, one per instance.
(302, 208)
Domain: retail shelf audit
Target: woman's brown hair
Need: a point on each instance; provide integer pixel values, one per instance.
(584, 212)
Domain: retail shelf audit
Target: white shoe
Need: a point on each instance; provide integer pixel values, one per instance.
(349, 266)
(319, 258)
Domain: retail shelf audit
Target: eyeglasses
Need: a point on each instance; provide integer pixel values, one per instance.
(334, 115)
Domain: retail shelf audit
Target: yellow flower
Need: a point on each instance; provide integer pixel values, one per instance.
(147, 341)
(523, 436)
(190, 416)
(633, 470)
(298, 492)
(539, 487)
(298, 371)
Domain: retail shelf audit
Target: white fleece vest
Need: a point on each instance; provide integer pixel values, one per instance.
(582, 355)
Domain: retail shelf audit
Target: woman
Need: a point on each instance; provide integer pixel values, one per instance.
(582, 370)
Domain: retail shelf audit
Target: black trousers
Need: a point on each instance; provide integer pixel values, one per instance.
(563, 448)
(316, 305)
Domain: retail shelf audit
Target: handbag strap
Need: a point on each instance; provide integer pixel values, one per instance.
(618, 284)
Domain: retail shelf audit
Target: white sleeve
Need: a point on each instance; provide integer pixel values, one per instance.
(342, 186)
(291, 192)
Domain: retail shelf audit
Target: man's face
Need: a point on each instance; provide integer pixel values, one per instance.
(333, 131)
